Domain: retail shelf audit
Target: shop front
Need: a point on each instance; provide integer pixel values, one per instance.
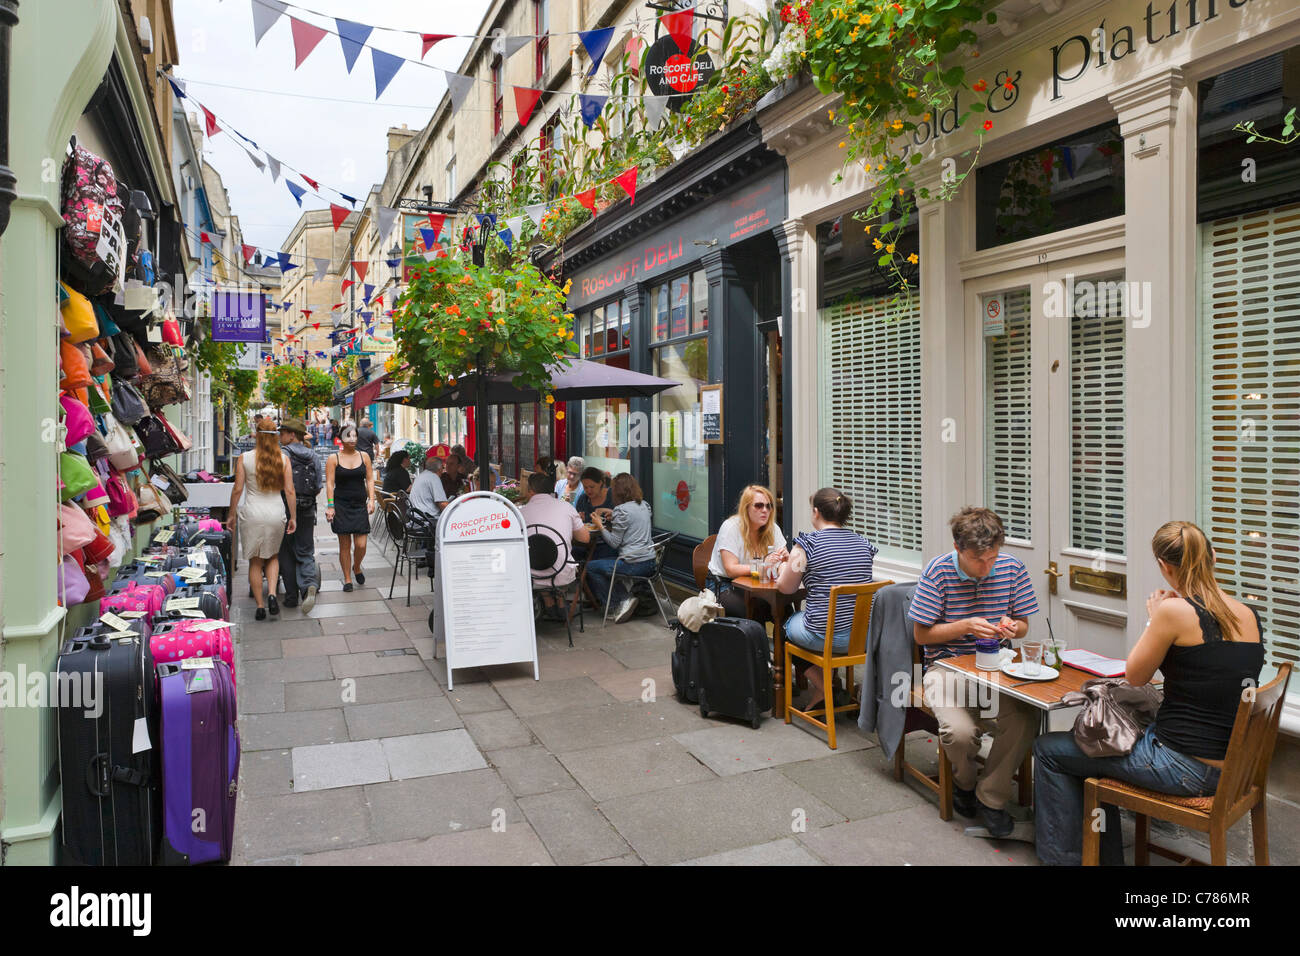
(1101, 332)
(686, 284)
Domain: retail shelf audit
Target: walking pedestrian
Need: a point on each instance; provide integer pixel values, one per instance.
(256, 506)
(298, 550)
(353, 474)
(367, 440)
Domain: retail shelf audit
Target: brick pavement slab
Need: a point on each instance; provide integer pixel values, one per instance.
(401, 717)
(615, 723)
(497, 730)
(360, 624)
(290, 670)
(857, 784)
(627, 859)
(321, 646)
(380, 689)
(383, 641)
(416, 612)
(348, 597)
(265, 773)
(516, 845)
(280, 731)
(636, 767)
(372, 663)
(630, 685)
(530, 770)
(348, 764)
(544, 697)
(786, 852)
(464, 675)
(424, 646)
(416, 628)
(348, 609)
(433, 806)
(916, 837)
(425, 755)
(649, 652)
(571, 828)
(270, 827)
(277, 630)
(259, 651)
(731, 747)
(260, 697)
(728, 813)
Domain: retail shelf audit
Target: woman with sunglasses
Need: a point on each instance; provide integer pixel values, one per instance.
(750, 533)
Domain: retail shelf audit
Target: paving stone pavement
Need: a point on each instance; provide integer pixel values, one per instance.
(356, 753)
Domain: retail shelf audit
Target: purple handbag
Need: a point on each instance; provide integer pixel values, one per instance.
(200, 762)
(73, 584)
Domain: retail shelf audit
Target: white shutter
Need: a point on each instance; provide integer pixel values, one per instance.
(1008, 418)
(1098, 470)
(871, 407)
(1250, 414)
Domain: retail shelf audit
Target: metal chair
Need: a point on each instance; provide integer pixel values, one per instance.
(660, 543)
(379, 522)
(548, 552)
(410, 528)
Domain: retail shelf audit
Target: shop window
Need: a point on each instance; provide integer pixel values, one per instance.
(1232, 176)
(699, 302)
(680, 470)
(604, 332)
(679, 317)
(1008, 418)
(1070, 182)
(542, 29)
(659, 308)
(498, 87)
(1249, 393)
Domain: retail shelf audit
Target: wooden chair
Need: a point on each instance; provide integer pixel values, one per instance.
(700, 560)
(921, 717)
(862, 596)
(1243, 786)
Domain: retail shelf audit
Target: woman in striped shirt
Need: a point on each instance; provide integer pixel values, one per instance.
(831, 554)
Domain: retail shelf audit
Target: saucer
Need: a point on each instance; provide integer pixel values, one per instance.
(1016, 669)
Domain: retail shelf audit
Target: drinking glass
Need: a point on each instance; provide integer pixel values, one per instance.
(1052, 655)
(755, 568)
(1031, 654)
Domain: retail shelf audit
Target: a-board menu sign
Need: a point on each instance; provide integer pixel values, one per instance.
(483, 612)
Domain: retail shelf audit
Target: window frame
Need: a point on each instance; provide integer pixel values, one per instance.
(497, 69)
(542, 29)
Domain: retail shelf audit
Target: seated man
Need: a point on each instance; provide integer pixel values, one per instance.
(543, 507)
(975, 592)
(427, 493)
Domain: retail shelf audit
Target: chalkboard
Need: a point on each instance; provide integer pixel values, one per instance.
(711, 414)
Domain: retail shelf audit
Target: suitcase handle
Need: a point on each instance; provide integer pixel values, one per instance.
(100, 642)
(97, 779)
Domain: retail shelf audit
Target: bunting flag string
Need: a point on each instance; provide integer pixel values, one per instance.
(352, 37)
(306, 37)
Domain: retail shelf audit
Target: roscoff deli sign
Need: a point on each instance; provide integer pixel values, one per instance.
(670, 72)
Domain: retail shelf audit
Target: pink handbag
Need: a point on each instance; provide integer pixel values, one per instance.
(73, 585)
(75, 527)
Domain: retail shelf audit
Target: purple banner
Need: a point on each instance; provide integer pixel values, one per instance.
(238, 317)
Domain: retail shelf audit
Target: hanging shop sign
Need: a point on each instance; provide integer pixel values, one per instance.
(238, 316)
(671, 73)
(483, 612)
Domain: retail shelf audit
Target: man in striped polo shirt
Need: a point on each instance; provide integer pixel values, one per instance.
(975, 592)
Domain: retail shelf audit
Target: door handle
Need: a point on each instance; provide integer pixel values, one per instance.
(1053, 574)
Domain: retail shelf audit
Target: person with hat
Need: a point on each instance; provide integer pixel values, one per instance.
(298, 567)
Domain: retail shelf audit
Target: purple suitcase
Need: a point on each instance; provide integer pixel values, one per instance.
(200, 764)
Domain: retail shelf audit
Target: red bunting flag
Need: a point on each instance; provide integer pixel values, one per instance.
(337, 213)
(307, 312)
(311, 182)
(634, 54)
(315, 325)
(248, 251)
(210, 122)
(436, 220)
(588, 199)
(336, 305)
(427, 40)
(378, 300)
(360, 269)
(627, 180)
(305, 38)
(204, 238)
(344, 287)
(525, 102)
(678, 26)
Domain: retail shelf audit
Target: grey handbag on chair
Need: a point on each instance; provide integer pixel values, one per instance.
(1114, 715)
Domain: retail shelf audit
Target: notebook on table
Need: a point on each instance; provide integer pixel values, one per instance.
(1094, 663)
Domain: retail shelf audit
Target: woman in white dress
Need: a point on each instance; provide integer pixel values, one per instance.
(260, 477)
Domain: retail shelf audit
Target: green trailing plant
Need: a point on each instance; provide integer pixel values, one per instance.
(455, 317)
(1290, 133)
(295, 389)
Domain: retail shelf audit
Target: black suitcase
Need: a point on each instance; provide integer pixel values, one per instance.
(209, 602)
(207, 557)
(735, 669)
(221, 540)
(111, 812)
(685, 663)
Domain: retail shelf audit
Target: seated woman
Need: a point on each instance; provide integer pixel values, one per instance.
(396, 477)
(750, 533)
(628, 532)
(1208, 645)
(594, 497)
(831, 554)
(569, 486)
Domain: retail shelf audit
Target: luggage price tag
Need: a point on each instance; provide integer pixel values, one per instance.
(131, 615)
(191, 613)
(157, 574)
(196, 663)
(162, 537)
(180, 604)
(124, 636)
(115, 622)
(212, 625)
(140, 736)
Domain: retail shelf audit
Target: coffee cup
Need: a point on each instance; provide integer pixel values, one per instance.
(990, 655)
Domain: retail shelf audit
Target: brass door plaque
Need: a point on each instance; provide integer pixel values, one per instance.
(1109, 583)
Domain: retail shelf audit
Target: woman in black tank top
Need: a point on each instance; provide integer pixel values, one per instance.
(1208, 651)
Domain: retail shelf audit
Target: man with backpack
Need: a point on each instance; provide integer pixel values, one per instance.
(298, 550)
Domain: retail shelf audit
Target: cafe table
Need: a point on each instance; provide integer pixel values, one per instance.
(781, 605)
(1043, 695)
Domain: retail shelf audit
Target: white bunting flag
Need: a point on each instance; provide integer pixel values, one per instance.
(654, 110)
(535, 212)
(514, 224)
(275, 167)
(322, 267)
(265, 13)
(458, 87)
(387, 217)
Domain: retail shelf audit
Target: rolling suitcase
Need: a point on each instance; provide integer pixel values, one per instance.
(735, 669)
(213, 602)
(139, 572)
(130, 595)
(221, 540)
(685, 663)
(200, 761)
(111, 814)
(174, 641)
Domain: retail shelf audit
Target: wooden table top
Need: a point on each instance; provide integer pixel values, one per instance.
(1045, 694)
(766, 589)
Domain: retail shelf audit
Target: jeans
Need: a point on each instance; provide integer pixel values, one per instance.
(797, 632)
(298, 557)
(601, 570)
(1060, 768)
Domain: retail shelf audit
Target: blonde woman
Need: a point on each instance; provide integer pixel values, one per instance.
(750, 533)
(1209, 646)
(261, 475)
(353, 473)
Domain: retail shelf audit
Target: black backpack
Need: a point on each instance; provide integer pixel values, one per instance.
(306, 481)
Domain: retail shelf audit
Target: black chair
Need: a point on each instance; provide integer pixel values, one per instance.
(414, 533)
(548, 557)
(660, 543)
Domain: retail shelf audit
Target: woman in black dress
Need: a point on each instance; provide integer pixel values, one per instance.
(396, 477)
(348, 513)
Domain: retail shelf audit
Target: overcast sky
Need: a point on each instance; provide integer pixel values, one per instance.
(319, 119)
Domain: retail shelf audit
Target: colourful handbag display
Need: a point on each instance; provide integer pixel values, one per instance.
(76, 530)
(171, 332)
(73, 586)
(77, 419)
(76, 474)
(76, 374)
(78, 316)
